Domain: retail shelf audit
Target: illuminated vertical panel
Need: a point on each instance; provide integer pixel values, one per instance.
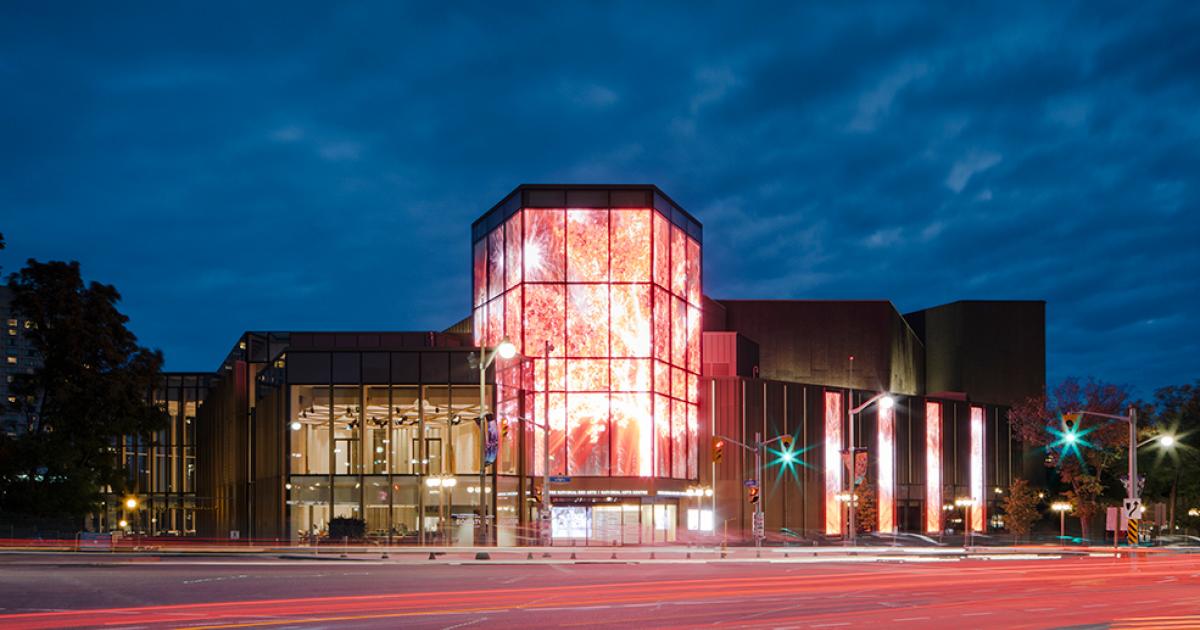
(933, 467)
(980, 507)
(587, 320)
(545, 246)
(679, 333)
(544, 307)
(587, 375)
(479, 270)
(693, 427)
(587, 434)
(887, 468)
(693, 272)
(630, 245)
(512, 319)
(495, 263)
(557, 418)
(693, 342)
(631, 375)
(513, 245)
(678, 439)
(633, 428)
(662, 251)
(630, 320)
(662, 436)
(678, 262)
(662, 324)
(587, 245)
(833, 462)
(479, 324)
(495, 322)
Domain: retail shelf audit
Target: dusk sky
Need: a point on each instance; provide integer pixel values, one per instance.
(317, 166)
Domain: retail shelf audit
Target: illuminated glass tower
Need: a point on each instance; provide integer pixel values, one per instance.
(610, 278)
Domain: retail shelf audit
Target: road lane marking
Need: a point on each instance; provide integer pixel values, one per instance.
(830, 625)
(910, 619)
(976, 614)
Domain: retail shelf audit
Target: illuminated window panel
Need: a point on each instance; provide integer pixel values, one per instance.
(587, 375)
(479, 325)
(587, 245)
(693, 339)
(662, 436)
(833, 462)
(977, 482)
(633, 443)
(679, 332)
(662, 324)
(630, 245)
(693, 272)
(630, 320)
(587, 320)
(631, 375)
(479, 268)
(512, 318)
(495, 322)
(678, 439)
(495, 263)
(544, 306)
(678, 262)
(545, 246)
(662, 378)
(678, 383)
(886, 468)
(662, 251)
(558, 432)
(693, 427)
(587, 434)
(513, 245)
(933, 467)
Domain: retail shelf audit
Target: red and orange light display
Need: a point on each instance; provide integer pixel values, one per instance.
(616, 293)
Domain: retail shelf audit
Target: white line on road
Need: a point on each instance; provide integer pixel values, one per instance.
(976, 614)
(910, 619)
(1037, 609)
(830, 625)
(1093, 605)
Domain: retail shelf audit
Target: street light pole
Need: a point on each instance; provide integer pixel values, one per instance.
(885, 401)
(506, 350)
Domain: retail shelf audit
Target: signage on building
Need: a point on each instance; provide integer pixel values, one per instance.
(560, 479)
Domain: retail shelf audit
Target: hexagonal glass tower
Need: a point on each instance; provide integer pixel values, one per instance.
(608, 278)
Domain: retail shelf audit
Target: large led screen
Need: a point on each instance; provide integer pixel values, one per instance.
(616, 293)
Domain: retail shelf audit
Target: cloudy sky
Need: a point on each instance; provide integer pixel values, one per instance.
(299, 166)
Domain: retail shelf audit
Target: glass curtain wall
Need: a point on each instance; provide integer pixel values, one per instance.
(404, 458)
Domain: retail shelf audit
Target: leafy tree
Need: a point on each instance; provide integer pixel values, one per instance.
(1174, 473)
(91, 387)
(1020, 507)
(1099, 443)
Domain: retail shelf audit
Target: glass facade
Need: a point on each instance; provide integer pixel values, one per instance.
(606, 304)
(161, 471)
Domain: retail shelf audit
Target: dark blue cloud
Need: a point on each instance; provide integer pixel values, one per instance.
(287, 166)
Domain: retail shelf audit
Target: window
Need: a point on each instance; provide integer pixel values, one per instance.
(11, 360)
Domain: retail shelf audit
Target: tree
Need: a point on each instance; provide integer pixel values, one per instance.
(1098, 443)
(1020, 507)
(1174, 474)
(866, 510)
(92, 386)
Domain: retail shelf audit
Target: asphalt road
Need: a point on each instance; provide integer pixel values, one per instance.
(47, 591)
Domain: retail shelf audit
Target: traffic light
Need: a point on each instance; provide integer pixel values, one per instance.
(718, 450)
(1070, 420)
(786, 442)
(504, 429)
(754, 497)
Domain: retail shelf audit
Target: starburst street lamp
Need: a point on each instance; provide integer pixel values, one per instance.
(1062, 507)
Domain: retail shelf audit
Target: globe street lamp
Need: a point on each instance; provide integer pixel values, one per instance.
(1062, 507)
(966, 503)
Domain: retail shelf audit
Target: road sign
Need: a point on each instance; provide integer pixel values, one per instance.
(759, 525)
(751, 483)
(1133, 508)
(1132, 534)
(560, 479)
(1112, 519)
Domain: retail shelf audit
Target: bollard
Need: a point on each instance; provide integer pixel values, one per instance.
(651, 555)
(572, 555)
(689, 555)
(757, 554)
(614, 556)
(529, 556)
(432, 556)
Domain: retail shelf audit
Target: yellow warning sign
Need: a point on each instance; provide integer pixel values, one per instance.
(1132, 532)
